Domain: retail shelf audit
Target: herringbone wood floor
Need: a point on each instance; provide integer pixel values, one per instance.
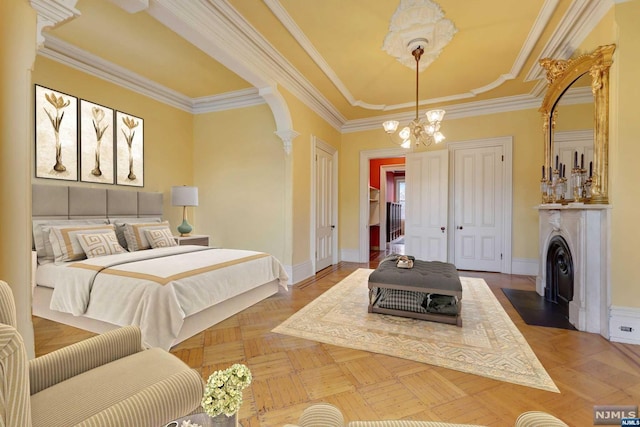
(290, 373)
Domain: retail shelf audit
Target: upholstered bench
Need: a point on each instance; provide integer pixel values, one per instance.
(431, 290)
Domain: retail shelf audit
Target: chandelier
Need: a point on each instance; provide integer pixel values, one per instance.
(418, 132)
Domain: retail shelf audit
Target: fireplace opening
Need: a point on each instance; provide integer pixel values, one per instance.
(559, 283)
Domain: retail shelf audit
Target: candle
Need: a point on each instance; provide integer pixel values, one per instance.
(543, 171)
(575, 159)
(581, 161)
(590, 169)
(556, 162)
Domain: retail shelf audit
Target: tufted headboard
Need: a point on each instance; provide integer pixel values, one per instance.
(65, 202)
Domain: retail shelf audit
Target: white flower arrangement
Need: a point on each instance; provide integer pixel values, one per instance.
(223, 392)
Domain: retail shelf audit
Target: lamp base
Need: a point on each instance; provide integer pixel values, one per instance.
(185, 228)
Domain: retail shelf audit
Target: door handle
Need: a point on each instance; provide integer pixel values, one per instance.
(442, 229)
(333, 227)
(459, 227)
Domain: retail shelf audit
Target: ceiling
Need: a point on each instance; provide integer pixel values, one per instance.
(206, 55)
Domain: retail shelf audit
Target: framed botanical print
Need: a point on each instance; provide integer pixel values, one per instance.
(96, 143)
(56, 134)
(129, 150)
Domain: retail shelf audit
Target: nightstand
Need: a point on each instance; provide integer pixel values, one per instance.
(194, 239)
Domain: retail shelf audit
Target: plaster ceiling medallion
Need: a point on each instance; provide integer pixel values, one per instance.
(418, 20)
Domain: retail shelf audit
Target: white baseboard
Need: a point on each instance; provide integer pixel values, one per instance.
(299, 272)
(350, 255)
(524, 266)
(624, 324)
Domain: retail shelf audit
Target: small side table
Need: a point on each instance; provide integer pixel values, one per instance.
(194, 239)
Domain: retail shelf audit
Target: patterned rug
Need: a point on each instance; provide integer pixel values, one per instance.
(488, 343)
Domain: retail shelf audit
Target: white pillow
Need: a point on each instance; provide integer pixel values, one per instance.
(135, 236)
(65, 243)
(42, 229)
(160, 237)
(100, 244)
(121, 222)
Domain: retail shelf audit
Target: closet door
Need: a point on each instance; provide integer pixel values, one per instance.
(478, 214)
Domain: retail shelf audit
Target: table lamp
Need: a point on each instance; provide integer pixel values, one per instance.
(184, 196)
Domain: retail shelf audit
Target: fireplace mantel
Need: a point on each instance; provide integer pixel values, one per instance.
(585, 228)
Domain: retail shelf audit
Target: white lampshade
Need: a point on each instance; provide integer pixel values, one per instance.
(184, 196)
(390, 126)
(435, 115)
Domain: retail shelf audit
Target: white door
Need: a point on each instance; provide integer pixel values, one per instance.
(478, 215)
(324, 209)
(426, 205)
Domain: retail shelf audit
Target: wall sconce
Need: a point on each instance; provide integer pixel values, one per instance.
(184, 196)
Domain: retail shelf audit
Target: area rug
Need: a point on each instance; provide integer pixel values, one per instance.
(537, 311)
(488, 343)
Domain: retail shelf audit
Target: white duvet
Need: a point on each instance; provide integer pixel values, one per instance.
(156, 289)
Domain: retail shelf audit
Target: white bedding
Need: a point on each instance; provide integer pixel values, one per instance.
(157, 288)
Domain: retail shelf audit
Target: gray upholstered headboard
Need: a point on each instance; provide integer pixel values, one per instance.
(65, 202)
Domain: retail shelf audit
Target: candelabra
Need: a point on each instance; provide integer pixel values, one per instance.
(554, 188)
(581, 182)
(554, 185)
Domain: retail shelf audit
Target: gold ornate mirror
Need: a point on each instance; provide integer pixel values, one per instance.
(561, 74)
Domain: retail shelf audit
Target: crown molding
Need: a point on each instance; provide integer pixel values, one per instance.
(469, 109)
(532, 38)
(261, 64)
(227, 101)
(131, 6)
(89, 63)
(221, 32)
(581, 95)
(51, 13)
(579, 20)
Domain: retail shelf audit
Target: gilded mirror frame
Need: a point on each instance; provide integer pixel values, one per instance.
(561, 74)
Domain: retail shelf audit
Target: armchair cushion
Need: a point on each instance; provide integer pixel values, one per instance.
(75, 359)
(326, 415)
(7, 305)
(15, 406)
(138, 377)
(153, 405)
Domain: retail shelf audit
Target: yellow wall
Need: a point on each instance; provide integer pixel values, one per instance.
(526, 128)
(308, 124)
(624, 174)
(17, 50)
(168, 132)
(239, 169)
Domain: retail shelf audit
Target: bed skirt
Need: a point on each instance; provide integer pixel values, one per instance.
(192, 325)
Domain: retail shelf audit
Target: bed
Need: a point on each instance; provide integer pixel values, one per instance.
(171, 292)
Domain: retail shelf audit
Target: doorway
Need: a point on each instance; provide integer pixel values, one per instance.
(389, 236)
(506, 205)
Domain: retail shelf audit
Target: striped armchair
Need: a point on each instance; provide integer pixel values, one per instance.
(107, 380)
(326, 415)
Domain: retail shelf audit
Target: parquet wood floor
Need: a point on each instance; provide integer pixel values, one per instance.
(290, 373)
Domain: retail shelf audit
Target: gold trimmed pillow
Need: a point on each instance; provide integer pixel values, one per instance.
(100, 244)
(135, 236)
(160, 238)
(42, 230)
(65, 244)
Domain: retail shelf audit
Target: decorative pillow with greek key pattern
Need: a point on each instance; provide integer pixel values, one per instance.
(95, 245)
(160, 238)
(136, 237)
(65, 244)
